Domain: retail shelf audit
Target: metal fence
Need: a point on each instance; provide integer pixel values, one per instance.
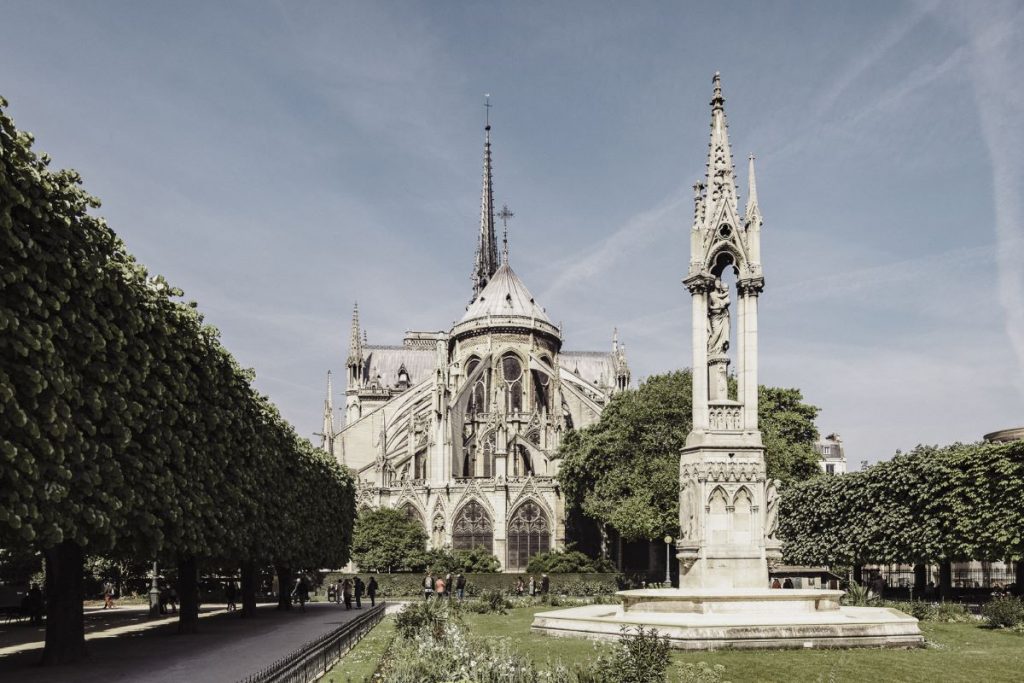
(314, 658)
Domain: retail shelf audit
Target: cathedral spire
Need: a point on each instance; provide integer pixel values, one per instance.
(721, 176)
(328, 430)
(487, 244)
(355, 346)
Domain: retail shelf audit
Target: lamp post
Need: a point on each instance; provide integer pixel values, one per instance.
(668, 561)
(154, 595)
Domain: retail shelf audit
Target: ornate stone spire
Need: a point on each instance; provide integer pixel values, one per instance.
(721, 176)
(355, 347)
(753, 210)
(487, 245)
(327, 435)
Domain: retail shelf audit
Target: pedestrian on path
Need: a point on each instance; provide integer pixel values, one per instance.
(108, 594)
(428, 586)
(533, 586)
(301, 591)
(34, 603)
(460, 586)
(545, 584)
(439, 588)
(371, 590)
(359, 588)
(230, 596)
(346, 591)
(448, 585)
(337, 591)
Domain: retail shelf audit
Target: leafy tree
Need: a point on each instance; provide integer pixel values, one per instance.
(624, 471)
(567, 562)
(386, 540)
(444, 560)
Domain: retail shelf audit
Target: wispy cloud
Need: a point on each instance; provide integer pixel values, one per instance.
(997, 64)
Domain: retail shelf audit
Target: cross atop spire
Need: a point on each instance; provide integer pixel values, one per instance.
(505, 214)
(487, 243)
(721, 176)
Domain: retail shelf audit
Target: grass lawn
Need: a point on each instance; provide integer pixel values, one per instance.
(361, 661)
(955, 652)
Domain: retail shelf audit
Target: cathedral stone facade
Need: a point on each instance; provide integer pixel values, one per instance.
(461, 428)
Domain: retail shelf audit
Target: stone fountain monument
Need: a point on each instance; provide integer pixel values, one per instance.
(728, 508)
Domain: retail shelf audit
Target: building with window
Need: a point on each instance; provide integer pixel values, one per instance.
(460, 428)
(833, 457)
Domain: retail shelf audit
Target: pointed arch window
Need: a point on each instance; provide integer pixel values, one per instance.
(529, 533)
(473, 528)
(512, 374)
(541, 391)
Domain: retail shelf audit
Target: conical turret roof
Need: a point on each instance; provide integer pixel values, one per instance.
(505, 296)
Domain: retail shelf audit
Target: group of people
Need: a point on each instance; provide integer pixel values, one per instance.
(533, 586)
(345, 590)
(441, 586)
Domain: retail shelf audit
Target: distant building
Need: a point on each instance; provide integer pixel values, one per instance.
(833, 456)
(1005, 435)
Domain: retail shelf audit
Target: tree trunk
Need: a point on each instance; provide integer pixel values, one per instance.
(920, 579)
(284, 591)
(65, 624)
(1019, 588)
(858, 574)
(248, 589)
(188, 594)
(946, 579)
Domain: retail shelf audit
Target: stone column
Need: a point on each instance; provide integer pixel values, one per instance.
(749, 290)
(698, 287)
(741, 364)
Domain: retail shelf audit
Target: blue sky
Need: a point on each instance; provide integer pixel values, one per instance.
(279, 161)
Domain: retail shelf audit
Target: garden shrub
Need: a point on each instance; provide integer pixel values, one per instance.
(639, 656)
(567, 562)
(428, 617)
(950, 612)
(859, 595)
(1005, 612)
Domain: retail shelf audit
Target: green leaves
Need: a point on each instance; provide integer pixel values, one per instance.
(957, 502)
(127, 427)
(623, 471)
(387, 540)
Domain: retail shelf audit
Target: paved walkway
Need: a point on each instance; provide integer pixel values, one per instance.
(227, 648)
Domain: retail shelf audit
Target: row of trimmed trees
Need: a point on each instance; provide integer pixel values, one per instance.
(126, 429)
(932, 505)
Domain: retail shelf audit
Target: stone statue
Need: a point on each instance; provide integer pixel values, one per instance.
(718, 317)
(771, 495)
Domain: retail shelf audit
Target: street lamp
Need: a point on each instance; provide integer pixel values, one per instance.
(154, 595)
(668, 560)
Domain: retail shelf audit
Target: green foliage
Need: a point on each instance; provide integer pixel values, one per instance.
(946, 612)
(444, 560)
(126, 428)
(624, 470)
(408, 584)
(932, 504)
(495, 601)
(567, 562)
(1004, 612)
(386, 539)
(639, 656)
(426, 616)
(859, 595)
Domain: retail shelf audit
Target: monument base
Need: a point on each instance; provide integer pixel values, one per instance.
(738, 619)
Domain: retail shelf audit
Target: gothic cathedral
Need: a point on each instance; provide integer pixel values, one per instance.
(461, 428)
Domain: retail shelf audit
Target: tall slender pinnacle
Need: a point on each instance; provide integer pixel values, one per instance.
(487, 245)
(355, 348)
(753, 210)
(721, 175)
(327, 435)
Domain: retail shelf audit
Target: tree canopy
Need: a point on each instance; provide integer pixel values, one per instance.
(127, 430)
(386, 540)
(958, 502)
(624, 470)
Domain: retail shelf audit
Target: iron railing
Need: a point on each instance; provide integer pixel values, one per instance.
(314, 658)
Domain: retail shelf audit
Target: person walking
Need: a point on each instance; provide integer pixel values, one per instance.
(34, 603)
(545, 584)
(346, 592)
(776, 583)
(448, 585)
(230, 596)
(359, 588)
(301, 591)
(460, 586)
(788, 583)
(439, 588)
(338, 587)
(428, 586)
(520, 586)
(330, 592)
(533, 586)
(371, 590)
(108, 594)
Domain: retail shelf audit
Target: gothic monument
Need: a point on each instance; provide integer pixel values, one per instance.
(727, 505)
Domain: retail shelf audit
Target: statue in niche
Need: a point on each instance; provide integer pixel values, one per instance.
(771, 495)
(718, 316)
(688, 504)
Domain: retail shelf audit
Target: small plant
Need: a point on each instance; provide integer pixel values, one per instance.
(496, 601)
(1005, 612)
(429, 616)
(859, 596)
